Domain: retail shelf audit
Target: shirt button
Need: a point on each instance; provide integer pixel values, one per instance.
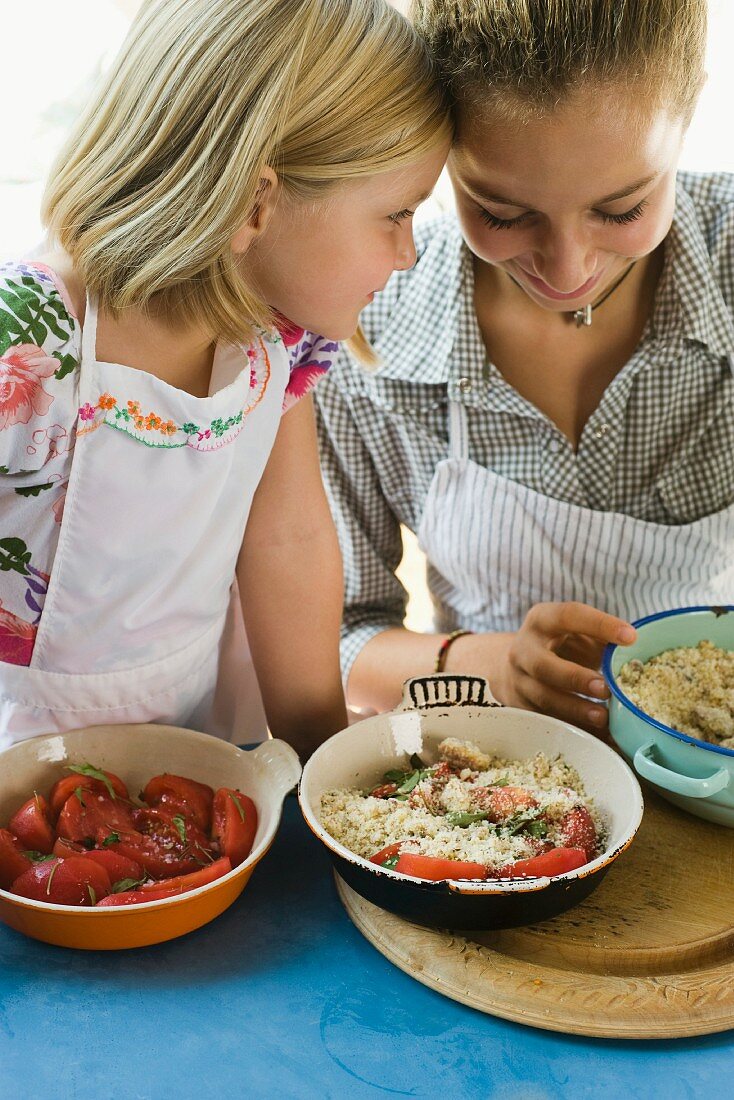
(602, 431)
(465, 384)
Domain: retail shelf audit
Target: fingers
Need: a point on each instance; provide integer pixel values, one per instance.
(565, 676)
(553, 619)
(569, 708)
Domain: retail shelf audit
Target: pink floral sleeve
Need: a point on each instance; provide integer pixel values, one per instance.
(39, 361)
(310, 358)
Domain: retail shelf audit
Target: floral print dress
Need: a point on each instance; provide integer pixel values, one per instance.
(41, 414)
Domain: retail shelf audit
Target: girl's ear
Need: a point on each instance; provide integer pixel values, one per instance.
(265, 200)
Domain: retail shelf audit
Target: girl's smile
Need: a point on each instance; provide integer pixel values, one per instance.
(564, 203)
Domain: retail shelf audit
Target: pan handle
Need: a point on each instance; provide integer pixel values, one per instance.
(441, 690)
(674, 781)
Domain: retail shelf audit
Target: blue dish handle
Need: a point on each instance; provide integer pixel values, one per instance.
(674, 781)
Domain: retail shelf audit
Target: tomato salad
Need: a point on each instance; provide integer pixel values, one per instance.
(90, 844)
(469, 816)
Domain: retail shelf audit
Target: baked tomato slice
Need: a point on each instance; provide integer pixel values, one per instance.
(72, 881)
(234, 824)
(579, 831)
(85, 812)
(32, 824)
(555, 862)
(179, 795)
(64, 788)
(388, 857)
(431, 867)
(12, 862)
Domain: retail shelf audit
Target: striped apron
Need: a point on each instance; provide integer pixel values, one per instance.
(495, 548)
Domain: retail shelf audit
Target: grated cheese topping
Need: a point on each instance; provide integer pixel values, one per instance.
(690, 689)
(527, 802)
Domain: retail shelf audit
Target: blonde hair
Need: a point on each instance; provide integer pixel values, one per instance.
(525, 56)
(164, 165)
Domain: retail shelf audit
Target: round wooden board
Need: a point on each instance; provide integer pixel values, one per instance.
(650, 955)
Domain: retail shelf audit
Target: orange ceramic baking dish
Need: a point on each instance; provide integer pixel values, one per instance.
(136, 753)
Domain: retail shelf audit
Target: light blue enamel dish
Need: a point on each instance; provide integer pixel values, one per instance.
(692, 774)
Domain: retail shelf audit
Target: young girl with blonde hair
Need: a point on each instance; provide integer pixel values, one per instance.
(239, 187)
(553, 416)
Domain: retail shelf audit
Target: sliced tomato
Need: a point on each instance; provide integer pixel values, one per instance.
(64, 788)
(173, 831)
(555, 862)
(132, 897)
(115, 864)
(163, 845)
(64, 848)
(385, 790)
(431, 867)
(384, 854)
(12, 862)
(181, 883)
(85, 812)
(180, 795)
(72, 881)
(32, 824)
(234, 824)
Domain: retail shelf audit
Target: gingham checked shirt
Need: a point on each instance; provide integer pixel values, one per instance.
(659, 447)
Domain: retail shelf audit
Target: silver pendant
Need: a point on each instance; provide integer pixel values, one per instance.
(582, 316)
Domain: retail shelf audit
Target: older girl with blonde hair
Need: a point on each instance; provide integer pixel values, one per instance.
(240, 186)
(553, 416)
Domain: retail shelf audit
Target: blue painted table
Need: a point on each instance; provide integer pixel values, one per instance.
(281, 996)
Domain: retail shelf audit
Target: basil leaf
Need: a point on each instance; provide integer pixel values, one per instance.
(92, 773)
(78, 793)
(416, 762)
(180, 824)
(538, 829)
(126, 884)
(38, 857)
(464, 819)
(113, 838)
(519, 821)
(412, 781)
(240, 811)
(390, 862)
(92, 894)
(395, 775)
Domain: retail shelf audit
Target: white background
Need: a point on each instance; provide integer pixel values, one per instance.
(53, 50)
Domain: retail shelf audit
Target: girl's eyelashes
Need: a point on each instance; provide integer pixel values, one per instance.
(624, 219)
(401, 216)
(608, 219)
(499, 223)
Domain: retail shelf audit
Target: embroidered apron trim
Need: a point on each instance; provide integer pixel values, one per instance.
(128, 417)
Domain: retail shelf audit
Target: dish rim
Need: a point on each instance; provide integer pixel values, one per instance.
(626, 702)
(483, 887)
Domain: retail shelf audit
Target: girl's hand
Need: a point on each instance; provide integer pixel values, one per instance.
(550, 661)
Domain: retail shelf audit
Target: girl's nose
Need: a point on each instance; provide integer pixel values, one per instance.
(565, 262)
(406, 253)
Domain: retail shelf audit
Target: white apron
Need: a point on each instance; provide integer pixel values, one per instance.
(495, 548)
(141, 611)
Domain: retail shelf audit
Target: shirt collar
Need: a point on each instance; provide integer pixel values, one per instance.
(426, 314)
(689, 304)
